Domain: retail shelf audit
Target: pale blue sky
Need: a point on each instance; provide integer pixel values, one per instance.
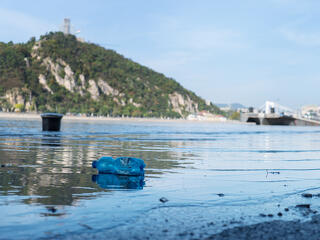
(225, 51)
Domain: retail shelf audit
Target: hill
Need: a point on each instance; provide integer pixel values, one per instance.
(62, 74)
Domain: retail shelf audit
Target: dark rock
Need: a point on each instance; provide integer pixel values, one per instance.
(182, 234)
(163, 200)
(220, 194)
(2, 165)
(262, 215)
(280, 214)
(307, 195)
(286, 209)
(52, 209)
(303, 206)
(270, 215)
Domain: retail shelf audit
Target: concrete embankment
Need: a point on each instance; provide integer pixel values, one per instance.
(85, 118)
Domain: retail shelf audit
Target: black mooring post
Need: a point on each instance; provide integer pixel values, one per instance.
(51, 121)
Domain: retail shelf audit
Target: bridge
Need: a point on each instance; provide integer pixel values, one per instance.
(271, 113)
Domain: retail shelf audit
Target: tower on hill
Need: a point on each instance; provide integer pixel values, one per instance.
(66, 26)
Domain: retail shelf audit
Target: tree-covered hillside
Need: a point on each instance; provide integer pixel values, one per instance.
(60, 73)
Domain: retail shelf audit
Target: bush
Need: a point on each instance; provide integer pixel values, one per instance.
(19, 107)
(235, 116)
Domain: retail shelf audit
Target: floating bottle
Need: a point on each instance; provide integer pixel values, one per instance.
(122, 166)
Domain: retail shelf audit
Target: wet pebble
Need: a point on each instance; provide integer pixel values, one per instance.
(286, 209)
(303, 206)
(52, 209)
(182, 234)
(280, 214)
(163, 200)
(220, 194)
(307, 195)
(262, 215)
(270, 215)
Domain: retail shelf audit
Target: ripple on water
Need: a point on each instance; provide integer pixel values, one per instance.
(47, 183)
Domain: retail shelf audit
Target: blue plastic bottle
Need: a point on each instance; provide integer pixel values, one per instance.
(121, 166)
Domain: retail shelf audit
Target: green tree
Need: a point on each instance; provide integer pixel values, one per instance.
(235, 116)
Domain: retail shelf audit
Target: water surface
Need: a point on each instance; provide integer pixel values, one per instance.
(47, 185)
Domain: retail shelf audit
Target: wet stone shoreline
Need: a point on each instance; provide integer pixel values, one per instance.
(205, 222)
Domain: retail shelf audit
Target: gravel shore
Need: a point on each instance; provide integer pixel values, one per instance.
(274, 230)
(193, 223)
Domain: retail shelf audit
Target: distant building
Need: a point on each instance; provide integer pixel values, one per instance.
(206, 116)
(66, 26)
(67, 29)
(81, 39)
(311, 112)
(208, 102)
(310, 108)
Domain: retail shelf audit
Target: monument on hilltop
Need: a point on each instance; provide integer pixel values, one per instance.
(66, 26)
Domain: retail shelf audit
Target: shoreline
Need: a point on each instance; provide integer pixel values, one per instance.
(276, 230)
(11, 115)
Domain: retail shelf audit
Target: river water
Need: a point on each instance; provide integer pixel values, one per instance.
(213, 176)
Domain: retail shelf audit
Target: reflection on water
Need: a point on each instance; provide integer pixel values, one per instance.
(46, 179)
(51, 140)
(112, 181)
(57, 166)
